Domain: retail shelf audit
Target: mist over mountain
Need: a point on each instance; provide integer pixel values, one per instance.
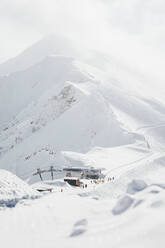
(95, 102)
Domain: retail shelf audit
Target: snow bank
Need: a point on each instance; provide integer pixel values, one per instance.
(13, 189)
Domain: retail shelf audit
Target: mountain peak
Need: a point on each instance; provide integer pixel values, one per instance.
(49, 45)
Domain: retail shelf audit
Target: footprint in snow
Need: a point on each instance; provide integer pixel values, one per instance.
(79, 228)
(77, 232)
(136, 186)
(156, 204)
(122, 205)
(82, 222)
(138, 202)
(154, 191)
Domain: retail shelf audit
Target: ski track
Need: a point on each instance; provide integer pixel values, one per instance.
(126, 166)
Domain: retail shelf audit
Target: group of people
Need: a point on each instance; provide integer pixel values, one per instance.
(84, 185)
(110, 179)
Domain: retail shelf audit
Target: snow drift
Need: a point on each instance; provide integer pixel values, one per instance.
(13, 189)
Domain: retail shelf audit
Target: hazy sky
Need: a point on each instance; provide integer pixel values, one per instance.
(24, 21)
(129, 28)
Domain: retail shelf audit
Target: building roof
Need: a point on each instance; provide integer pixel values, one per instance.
(80, 169)
(73, 169)
(71, 178)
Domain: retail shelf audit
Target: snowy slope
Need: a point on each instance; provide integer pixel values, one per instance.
(33, 83)
(49, 45)
(52, 131)
(68, 105)
(76, 217)
(13, 189)
(60, 111)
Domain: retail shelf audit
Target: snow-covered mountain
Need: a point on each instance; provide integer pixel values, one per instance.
(61, 104)
(49, 45)
(60, 108)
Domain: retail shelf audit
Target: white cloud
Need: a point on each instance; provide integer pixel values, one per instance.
(24, 21)
(133, 30)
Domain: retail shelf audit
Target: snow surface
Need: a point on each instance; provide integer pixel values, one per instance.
(75, 217)
(13, 189)
(61, 109)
